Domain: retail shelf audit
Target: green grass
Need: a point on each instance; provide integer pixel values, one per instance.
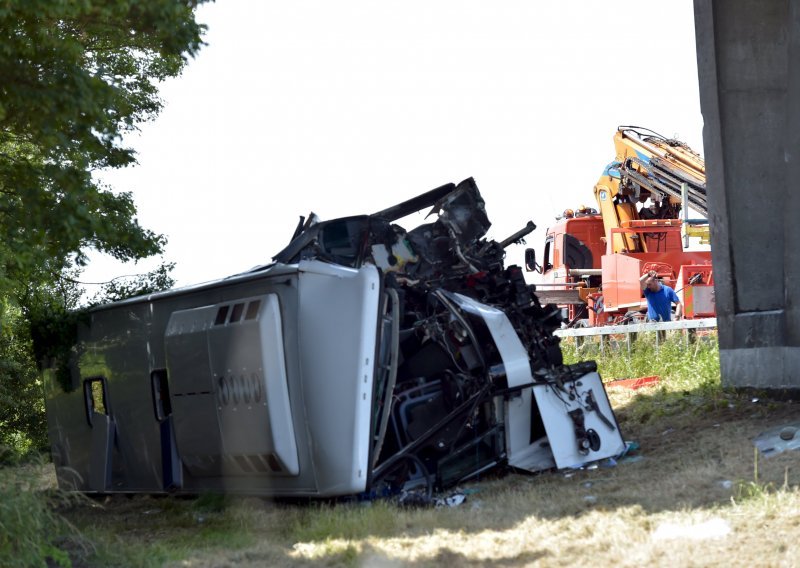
(153, 531)
(689, 375)
(696, 464)
(352, 521)
(683, 367)
(32, 532)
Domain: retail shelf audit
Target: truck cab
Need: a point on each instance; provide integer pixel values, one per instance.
(571, 262)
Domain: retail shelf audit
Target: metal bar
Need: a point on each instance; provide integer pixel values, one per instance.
(392, 378)
(685, 204)
(705, 323)
(688, 162)
(427, 199)
(559, 296)
(411, 447)
(516, 237)
(666, 184)
(694, 179)
(585, 271)
(651, 229)
(696, 195)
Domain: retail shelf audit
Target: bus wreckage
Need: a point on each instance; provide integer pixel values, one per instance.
(365, 359)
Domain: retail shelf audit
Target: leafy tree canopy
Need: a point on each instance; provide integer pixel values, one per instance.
(76, 75)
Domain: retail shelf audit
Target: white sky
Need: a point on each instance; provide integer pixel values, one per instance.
(349, 107)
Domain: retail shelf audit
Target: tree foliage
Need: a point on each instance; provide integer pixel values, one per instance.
(121, 288)
(77, 75)
(22, 427)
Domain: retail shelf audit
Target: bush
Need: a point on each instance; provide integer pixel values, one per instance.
(22, 422)
(30, 526)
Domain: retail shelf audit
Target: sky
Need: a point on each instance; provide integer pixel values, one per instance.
(344, 108)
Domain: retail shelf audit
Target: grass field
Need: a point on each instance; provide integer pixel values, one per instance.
(696, 493)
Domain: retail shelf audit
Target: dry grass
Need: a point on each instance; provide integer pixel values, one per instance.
(690, 498)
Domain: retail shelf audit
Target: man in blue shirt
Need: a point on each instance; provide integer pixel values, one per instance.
(659, 298)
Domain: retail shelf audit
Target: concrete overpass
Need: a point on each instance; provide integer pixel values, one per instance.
(748, 55)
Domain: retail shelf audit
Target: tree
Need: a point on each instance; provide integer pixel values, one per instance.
(22, 427)
(76, 76)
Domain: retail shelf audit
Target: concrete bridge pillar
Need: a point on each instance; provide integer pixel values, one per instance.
(748, 56)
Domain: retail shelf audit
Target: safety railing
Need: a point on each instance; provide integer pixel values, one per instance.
(630, 330)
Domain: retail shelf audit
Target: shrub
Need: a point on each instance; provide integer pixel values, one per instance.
(30, 527)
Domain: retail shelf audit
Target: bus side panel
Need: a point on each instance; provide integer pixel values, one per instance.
(326, 318)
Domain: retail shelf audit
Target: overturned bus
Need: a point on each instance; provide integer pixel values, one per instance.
(365, 359)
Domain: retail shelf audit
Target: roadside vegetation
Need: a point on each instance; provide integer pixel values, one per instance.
(694, 493)
(77, 77)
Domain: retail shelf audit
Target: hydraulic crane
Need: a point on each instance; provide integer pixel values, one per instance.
(593, 258)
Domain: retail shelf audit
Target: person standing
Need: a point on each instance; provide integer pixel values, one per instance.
(660, 298)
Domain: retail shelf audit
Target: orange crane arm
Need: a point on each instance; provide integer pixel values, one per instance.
(647, 165)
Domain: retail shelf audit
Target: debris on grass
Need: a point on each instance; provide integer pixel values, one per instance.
(453, 500)
(710, 529)
(778, 440)
(634, 384)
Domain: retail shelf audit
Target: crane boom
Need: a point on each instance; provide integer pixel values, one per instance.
(648, 166)
(662, 165)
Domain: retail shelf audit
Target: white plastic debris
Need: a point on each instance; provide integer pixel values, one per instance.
(710, 529)
(453, 500)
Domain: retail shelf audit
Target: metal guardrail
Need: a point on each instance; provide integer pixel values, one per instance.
(705, 323)
(630, 330)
